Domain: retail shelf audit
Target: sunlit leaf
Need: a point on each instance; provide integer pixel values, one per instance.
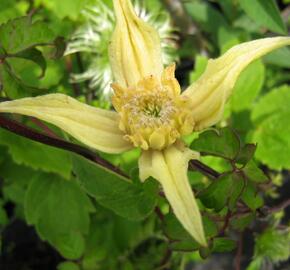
(13, 86)
(254, 173)
(271, 116)
(64, 8)
(36, 155)
(60, 211)
(248, 87)
(266, 13)
(35, 56)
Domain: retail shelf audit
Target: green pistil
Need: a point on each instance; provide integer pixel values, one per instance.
(153, 110)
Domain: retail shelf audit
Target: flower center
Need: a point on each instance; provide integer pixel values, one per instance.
(153, 114)
(152, 110)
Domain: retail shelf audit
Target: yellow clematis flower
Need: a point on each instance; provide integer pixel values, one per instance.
(151, 112)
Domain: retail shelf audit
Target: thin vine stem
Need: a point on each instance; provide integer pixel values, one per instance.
(27, 132)
(204, 169)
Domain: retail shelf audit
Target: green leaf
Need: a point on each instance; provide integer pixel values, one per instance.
(246, 154)
(39, 156)
(129, 234)
(204, 252)
(227, 38)
(127, 199)
(222, 143)
(248, 87)
(184, 245)
(271, 117)
(247, 24)
(59, 209)
(210, 228)
(237, 186)
(208, 18)
(273, 140)
(228, 7)
(254, 173)
(256, 264)
(11, 9)
(13, 86)
(15, 192)
(240, 223)
(13, 172)
(71, 245)
(68, 266)
(29, 73)
(65, 8)
(18, 39)
(226, 190)
(251, 197)
(21, 33)
(266, 13)
(219, 164)
(273, 103)
(173, 229)
(181, 238)
(100, 233)
(199, 68)
(16, 179)
(216, 195)
(222, 244)
(35, 56)
(3, 217)
(279, 57)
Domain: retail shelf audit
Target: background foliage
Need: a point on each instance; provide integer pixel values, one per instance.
(58, 210)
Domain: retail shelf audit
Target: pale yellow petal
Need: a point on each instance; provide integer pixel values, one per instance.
(135, 49)
(209, 94)
(94, 127)
(169, 167)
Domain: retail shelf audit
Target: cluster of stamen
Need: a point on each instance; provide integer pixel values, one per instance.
(153, 114)
(149, 109)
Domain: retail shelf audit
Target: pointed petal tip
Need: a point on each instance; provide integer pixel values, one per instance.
(96, 128)
(169, 167)
(209, 94)
(201, 240)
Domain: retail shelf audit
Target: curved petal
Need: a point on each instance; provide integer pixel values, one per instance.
(135, 49)
(169, 167)
(94, 127)
(209, 94)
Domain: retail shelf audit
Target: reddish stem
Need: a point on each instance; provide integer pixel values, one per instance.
(239, 253)
(34, 135)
